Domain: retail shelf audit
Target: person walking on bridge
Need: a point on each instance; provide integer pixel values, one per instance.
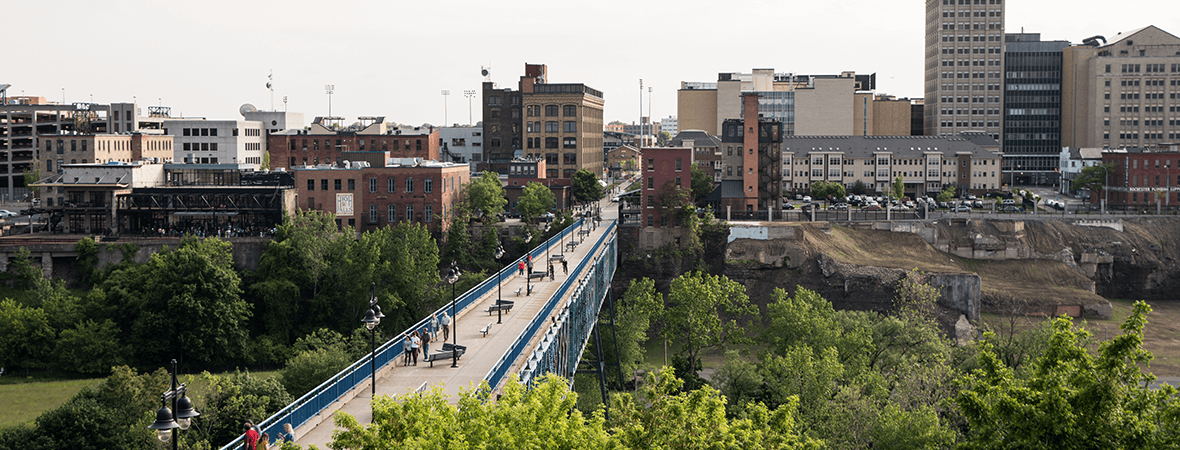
(446, 326)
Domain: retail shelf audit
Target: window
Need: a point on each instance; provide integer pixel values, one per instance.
(372, 213)
(428, 185)
(569, 142)
(409, 185)
(569, 110)
(677, 166)
(409, 213)
(311, 185)
(351, 184)
(551, 142)
(429, 213)
(390, 184)
(651, 182)
(550, 110)
(551, 126)
(336, 183)
(392, 212)
(324, 184)
(651, 164)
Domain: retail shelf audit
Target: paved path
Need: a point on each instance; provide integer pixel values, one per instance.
(482, 352)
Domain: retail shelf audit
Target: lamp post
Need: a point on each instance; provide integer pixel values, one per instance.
(528, 275)
(166, 428)
(499, 291)
(1105, 185)
(452, 278)
(470, 95)
(372, 318)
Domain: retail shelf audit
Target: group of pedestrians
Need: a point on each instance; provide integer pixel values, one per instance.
(420, 339)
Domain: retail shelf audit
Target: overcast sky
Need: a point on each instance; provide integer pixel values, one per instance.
(394, 58)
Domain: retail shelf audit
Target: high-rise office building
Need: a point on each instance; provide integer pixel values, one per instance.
(964, 64)
(1122, 93)
(1032, 108)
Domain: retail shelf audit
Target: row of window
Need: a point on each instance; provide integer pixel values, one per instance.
(970, 13)
(970, 2)
(991, 74)
(965, 111)
(391, 213)
(567, 126)
(212, 132)
(551, 110)
(970, 38)
(969, 62)
(972, 26)
(970, 50)
(360, 144)
(552, 142)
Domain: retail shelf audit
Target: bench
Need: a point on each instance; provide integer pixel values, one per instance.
(538, 274)
(448, 352)
(486, 329)
(422, 388)
(502, 305)
(518, 290)
(556, 257)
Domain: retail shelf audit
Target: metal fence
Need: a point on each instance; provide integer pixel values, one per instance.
(312, 403)
(590, 282)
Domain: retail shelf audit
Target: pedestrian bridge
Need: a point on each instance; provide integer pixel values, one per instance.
(545, 332)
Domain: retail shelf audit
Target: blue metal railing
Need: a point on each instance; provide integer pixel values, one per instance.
(312, 403)
(500, 370)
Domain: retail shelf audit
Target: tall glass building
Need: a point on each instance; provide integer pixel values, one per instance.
(1032, 109)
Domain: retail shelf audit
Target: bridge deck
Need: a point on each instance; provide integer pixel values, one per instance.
(482, 352)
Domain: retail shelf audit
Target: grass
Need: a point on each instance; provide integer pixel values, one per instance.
(24, 401)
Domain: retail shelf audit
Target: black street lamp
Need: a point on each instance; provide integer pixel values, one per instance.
(452, 278)
(166, 428)
(499, 291)
(373, 317)
(528, 275)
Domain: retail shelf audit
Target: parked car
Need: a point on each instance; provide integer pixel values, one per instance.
(872, 208)
(7, 213)
(839, 207)
(811, 206)
(1011, 209)
(806, 199)
(788, 206)
(962, 208)
(977, 204)
(1007, 202)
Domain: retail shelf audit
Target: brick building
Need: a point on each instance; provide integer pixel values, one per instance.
(662, 166)
(1141, 176)
(321, 145)
(56, 150)
(367, 197)
(522, 171)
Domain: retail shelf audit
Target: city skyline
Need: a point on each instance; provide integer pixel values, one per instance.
(419, 50)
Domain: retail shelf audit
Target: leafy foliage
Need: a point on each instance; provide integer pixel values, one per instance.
(485, 194)
(586, 187)
(633, 316)
(827, 189)
(703, 312)
(1093, 177)
(535, 200)
(25, 335)
(898, 190)
(702, 184)
(948, 193)
(1073, 399)
(234, 398)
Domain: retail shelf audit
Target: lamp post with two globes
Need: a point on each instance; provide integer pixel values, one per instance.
(166, 427)
(372, 318)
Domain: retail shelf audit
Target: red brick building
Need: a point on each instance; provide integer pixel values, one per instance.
(370, 197)
(522, 171)
(1140, 175)
(321, 145)
(662, 165)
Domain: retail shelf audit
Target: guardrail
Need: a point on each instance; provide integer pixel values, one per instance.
(500, 370)
(312, 403)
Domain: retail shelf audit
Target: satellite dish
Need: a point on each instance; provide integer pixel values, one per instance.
(247, 109)
(484, 72)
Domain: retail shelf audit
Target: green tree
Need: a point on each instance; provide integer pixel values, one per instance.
(540, 417)
(632, 318)
(231, 399)
(25, 336)
(663, 138)
(702, 184)
(536, 200)
(405, 269)
(87, 262)
(460, 247)
(318, 356)
(485, 195)
(1072, 399)
(666, 417)
(265, 160)
(586, 187)
(91, 348)
(703, 312)
(898, 190)
(827, 189)
(31, 177)
(1093, 178)
(674, 203)
(859, 188)
(183, 302)
(948, 193)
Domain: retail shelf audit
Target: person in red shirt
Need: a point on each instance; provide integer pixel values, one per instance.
(251, 436)
(520, 268)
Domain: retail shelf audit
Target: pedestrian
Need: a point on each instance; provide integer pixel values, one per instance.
(445, 321)
(425, 344)
(251, 435)
(406, 351)
(551, 277)
(415, 342)
(520, 268)
(433, 326)
(263, 442)
(565, 267)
